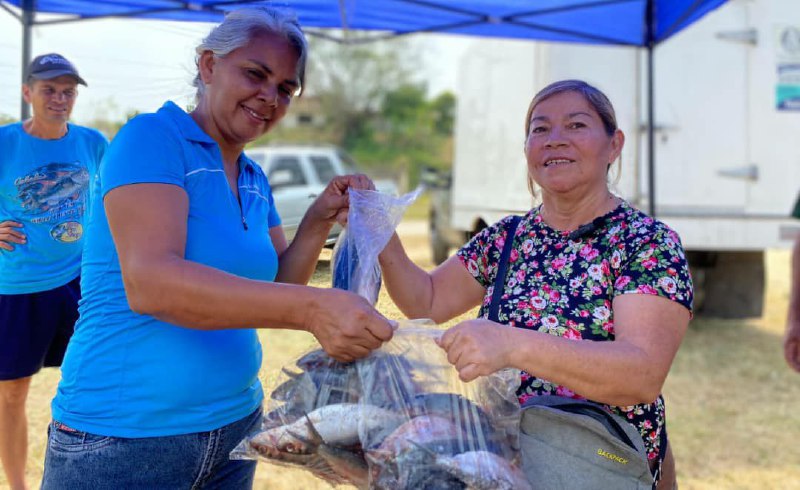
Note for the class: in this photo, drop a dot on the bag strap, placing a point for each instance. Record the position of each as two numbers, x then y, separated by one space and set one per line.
598 413
502 267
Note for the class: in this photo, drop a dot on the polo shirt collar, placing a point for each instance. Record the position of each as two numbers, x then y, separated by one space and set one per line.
192 132
245 163
186 125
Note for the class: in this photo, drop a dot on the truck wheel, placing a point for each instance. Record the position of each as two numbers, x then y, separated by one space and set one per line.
440 252
439 248
728 284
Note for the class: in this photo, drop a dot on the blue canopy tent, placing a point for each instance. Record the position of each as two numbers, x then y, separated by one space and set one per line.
636 23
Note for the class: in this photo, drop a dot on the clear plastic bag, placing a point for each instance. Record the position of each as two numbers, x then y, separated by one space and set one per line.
397 419
452 434
314 415
312 412
371 220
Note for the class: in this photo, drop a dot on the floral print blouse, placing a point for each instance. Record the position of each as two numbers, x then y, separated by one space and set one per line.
565 287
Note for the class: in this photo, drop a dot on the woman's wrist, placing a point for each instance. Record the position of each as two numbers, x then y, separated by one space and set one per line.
315 225
313 301
515 347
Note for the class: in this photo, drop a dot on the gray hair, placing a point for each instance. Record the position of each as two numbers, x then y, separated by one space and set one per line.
240 26
593 96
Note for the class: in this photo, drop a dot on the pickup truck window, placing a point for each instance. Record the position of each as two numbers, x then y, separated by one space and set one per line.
348 164
324 168
290 172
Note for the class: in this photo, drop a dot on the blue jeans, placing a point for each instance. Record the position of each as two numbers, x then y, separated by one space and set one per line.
78 460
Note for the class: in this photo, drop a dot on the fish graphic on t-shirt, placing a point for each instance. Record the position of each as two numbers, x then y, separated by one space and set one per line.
52 187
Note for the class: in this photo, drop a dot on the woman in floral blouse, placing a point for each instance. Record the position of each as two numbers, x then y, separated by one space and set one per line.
601 312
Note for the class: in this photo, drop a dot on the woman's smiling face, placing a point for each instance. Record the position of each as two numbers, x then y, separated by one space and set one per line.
249 90
567 146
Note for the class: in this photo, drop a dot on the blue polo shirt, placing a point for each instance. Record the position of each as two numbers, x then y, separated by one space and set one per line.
44 185
131 375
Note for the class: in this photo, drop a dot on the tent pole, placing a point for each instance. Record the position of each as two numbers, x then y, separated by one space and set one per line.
651 149
28 13
650 26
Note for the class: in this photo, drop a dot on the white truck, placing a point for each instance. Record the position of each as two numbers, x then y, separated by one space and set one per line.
298 173
727 158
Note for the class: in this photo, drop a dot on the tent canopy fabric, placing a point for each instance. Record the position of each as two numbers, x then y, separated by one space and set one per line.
614 22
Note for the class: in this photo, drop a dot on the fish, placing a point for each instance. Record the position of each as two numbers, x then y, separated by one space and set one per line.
420 430
463 412
383 380
414 467
398 458
326 462
336 424
388 381
346 463
483 470
272 453
321 386
52 186
432 478
318 358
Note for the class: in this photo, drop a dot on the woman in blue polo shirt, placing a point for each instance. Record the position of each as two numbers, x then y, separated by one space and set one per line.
183 253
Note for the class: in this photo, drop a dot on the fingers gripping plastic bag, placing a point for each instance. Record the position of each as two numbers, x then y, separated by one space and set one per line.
446 434
371 221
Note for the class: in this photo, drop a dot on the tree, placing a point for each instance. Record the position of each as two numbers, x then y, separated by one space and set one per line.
373 107
412 131
444 106
352 80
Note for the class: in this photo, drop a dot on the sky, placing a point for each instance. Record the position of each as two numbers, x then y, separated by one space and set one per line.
138 64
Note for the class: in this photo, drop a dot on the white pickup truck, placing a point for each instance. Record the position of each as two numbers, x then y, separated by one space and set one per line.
297 174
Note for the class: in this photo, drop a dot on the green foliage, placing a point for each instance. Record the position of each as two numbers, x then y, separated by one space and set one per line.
299 135
373 107
409 133
352 80
105 118
444 106
6 119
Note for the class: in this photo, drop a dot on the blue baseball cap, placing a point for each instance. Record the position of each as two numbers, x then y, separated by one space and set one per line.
52 65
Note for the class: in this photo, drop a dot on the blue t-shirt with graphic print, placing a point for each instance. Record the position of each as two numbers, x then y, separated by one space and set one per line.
565 287
45 186
132 375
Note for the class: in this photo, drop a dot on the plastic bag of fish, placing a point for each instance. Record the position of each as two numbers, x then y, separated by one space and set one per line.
313 415
371 221
398 419
452 435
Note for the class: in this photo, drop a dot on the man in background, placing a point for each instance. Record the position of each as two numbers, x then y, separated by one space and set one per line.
46 167
791 343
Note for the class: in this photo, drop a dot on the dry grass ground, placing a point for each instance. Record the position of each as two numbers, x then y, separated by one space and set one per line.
733 405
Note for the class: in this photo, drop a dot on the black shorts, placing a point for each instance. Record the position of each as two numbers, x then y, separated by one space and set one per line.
35 329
